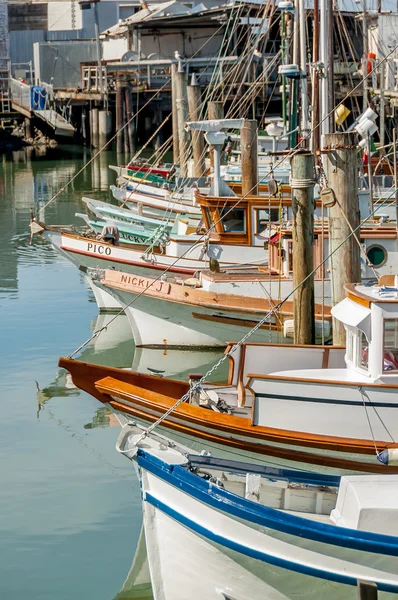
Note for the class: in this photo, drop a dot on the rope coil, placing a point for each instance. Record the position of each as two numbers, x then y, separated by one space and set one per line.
300 184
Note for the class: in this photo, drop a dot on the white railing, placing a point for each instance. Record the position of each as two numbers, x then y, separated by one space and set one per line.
49 91
20 93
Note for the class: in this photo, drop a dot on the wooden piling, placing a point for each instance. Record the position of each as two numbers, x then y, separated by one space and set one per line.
174 118
215 113
131 127
94 128
197 137
342 177
28 128
104 127
119 115
303 251
249 157
182 118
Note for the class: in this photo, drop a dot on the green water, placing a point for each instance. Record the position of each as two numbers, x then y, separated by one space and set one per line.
70 512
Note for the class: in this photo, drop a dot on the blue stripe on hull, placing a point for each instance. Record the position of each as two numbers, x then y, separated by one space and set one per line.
238 507
257 554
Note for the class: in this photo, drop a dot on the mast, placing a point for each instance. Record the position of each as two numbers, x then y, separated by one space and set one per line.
365 57
304 122
294 84
315 145
324 38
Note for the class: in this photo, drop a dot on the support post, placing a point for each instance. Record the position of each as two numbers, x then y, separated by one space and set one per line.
94 128
324 59
119 116
105 127
174 117
330 53
182 118
215 113
197 137
28 128
98 46
249 157
129 113
342 176
303 247
367 590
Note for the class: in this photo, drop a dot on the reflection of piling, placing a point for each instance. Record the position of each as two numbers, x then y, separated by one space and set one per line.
249 153
216 112
182 118
94 127
342 176
104 127
197 137
84 124
303 250
119 116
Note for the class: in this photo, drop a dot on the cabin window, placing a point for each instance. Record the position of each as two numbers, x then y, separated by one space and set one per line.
377 255
364 351
264 216
390 357
234 219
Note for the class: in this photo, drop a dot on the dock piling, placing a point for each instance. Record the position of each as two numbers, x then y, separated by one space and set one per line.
197 137
249 154
303 250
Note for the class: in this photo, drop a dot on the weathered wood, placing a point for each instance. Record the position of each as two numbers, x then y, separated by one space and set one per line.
303 252
104 127
197 137
315 139
174 118
249 157
342 176
367 590
182 118
119 115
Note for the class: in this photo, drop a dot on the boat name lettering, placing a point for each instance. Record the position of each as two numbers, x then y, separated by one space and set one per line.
99 249
158 286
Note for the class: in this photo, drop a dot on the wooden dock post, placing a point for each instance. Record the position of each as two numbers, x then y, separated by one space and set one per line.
182 118
303 247
174 118
342 177
197 137
129 113
215 113
119 115
94 128
104 127
367 590
249 157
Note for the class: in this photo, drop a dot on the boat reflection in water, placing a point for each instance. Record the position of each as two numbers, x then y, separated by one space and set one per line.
137 585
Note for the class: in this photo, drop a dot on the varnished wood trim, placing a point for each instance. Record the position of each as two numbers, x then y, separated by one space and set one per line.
325 358
234 425
358 298
261 449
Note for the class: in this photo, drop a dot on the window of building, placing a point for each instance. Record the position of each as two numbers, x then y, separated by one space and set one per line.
233 220
390 357
127 10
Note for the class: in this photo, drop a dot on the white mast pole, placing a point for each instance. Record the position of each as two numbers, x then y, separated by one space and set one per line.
323 57
304 126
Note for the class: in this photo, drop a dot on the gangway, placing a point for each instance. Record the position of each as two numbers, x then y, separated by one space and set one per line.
21 101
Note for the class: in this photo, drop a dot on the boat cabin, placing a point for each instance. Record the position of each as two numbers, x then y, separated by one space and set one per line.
370 318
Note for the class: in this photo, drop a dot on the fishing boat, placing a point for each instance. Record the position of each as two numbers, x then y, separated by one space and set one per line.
293 529
331 406
134 234
208 310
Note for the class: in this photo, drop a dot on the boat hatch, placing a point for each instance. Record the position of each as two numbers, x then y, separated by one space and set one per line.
352 314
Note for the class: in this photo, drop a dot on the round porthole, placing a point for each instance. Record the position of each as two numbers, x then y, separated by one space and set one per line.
377 255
